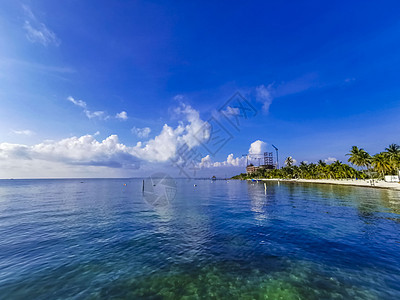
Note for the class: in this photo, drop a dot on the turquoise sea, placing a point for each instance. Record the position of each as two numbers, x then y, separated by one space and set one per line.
101 239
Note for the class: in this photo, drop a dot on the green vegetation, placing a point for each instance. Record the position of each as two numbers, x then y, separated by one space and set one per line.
365 166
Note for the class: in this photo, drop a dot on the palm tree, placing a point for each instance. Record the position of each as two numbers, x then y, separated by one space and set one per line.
312 170
337 169
296 172
393 148
393 153
322 168
381 163
289 161
359 157
354 156
303 168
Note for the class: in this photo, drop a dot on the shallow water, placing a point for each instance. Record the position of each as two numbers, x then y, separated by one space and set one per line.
99 239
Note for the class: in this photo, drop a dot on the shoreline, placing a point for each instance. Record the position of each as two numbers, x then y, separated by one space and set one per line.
360 182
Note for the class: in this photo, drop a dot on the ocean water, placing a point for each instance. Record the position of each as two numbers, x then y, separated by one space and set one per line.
101 239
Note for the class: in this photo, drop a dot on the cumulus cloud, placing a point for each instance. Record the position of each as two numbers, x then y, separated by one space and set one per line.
14 151
197 130
87 151
206 162
26 132
122 116
85 154
264 95
36 31
231 161
141 132
84 150
191 132
257 147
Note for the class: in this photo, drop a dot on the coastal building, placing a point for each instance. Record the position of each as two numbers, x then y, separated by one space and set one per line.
251 169
267 167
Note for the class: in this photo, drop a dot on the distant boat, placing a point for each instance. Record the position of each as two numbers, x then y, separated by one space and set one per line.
213 178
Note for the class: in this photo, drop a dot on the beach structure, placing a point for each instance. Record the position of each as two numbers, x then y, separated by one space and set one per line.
268 162
391 178
252 169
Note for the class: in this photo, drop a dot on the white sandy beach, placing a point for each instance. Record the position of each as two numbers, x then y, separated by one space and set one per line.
353 182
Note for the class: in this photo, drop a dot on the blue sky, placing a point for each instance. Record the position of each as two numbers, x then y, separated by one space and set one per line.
323 76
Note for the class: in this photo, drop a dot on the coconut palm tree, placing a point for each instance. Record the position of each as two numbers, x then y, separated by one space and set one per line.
359 157
393 148
289 161
312 170
381 163
354 156
393 153
322 168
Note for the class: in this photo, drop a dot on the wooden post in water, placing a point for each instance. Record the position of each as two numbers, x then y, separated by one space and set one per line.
143 186
265 188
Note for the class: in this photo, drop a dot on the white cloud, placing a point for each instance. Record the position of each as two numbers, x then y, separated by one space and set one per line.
122 116
258 147
14 151
330 160
23 132
77 102
141 132
179 97
96 114
90 114
206 162
191 132
84 150
87 153
264 95
233 111
231 161
37 32
196 130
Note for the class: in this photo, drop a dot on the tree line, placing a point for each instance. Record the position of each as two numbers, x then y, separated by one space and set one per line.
363 166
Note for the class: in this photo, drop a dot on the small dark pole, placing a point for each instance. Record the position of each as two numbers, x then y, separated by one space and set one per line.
143 186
